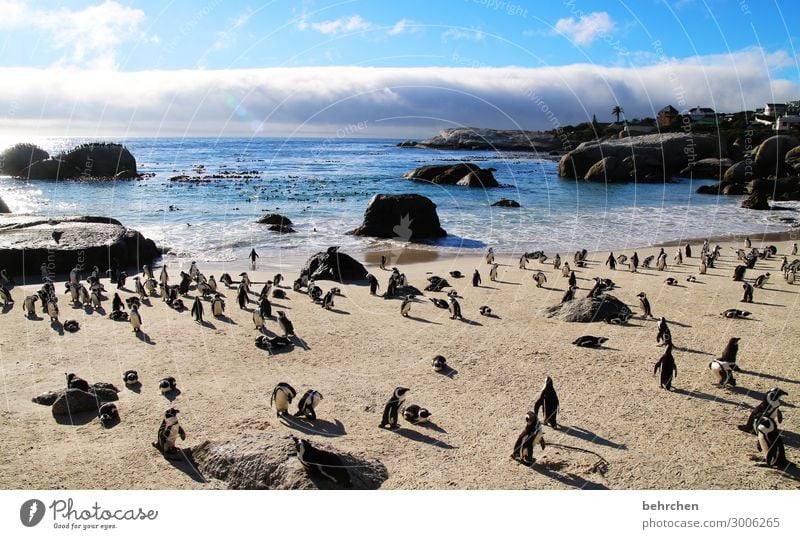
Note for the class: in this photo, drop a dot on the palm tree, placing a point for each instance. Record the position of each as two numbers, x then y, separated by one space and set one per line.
616 111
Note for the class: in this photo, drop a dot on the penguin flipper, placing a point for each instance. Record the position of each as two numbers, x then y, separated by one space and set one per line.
181 433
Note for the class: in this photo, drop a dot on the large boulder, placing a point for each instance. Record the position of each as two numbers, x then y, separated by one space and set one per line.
741 172
506 203
28 241
102 160
609 169
274 219
793 159
4 207
710 168
473 138
50 169
756 201
771 154
15 159
406 217
67 402
589 309
653 157
331 265
265 460
463 174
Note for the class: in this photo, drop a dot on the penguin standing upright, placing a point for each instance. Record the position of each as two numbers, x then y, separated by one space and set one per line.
669 371
635 262
493 272
611 262
530 436
382 265
573 280
168 432
29 306
5 295
761 280
281 398
678 257
197 310
664 334
455 308
748 293
308 403
738 272
52 308
769 407
285 324
490 256
94 298
645 304
688 251
327 300
661 263
391 410
770 443
557 261
116 303
373 284
140 291
523 260
569 295
217 305
135 319
548 402
476 278
121 278
242 296
565 270
540 279
730 351
794 249
266 308
164 276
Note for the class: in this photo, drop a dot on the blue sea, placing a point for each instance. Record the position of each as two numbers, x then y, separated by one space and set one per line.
324 186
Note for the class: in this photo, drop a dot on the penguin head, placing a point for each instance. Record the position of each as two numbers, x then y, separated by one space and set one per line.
531 418
130 377
401 392
776 393
301 446
423 415
641 295
171 413
601 340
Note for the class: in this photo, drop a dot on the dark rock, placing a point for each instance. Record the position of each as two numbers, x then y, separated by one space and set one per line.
756 201
408 144
405 217
770 155
793 158
609 169
331 265
283 229
274 219
713 189
506 203
464 174
741 172
4 207
26 241
472 138
50 169
266 460
589 309
17 158
102 160
74 401
710 168
734 189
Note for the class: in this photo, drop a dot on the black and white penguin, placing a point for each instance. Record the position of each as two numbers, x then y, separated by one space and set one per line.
573 280
327 300
116 303
266 308
325 463
722 372
731 351
611 262
5 295
476 278
634 262
285 324
735 313
405 307
75 382
391 410
83 294
678 258
135 319
490 256
540 279
258 319
442 304
282 395
265 290
314 292
164 276
531 435
523 262
671 281
95 299
246 280
548 402
138 288
108 414
645 304
688 251
664 336
197 310
589 341
748 293
485 310
669 371
382 265
168 432
212 284
167 385
557 261
308 403
277 279
569 295
29 306
738 272
439 363
455 308
193 271
118 316
415 414
52 308
130 377
373 284
761 280
794 249
225 279
217 305
122 277
565 270
72 290
769 407
647 261
71 325
770 443
661 261
493 272
242 297
691 279
204 289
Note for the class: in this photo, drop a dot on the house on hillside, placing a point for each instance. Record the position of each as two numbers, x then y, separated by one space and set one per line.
700 113
667 115
775 109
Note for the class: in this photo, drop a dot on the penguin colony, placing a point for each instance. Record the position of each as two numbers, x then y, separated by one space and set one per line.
763 422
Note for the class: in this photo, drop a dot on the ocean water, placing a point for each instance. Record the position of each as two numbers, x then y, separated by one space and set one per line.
324 186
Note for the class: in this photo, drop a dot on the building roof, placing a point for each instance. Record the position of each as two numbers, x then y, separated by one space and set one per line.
669 109
702 109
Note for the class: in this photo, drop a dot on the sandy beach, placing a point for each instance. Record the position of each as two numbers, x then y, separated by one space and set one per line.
612 409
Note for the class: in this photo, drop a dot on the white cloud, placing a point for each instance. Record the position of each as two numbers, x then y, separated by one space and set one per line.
397 102
227 38
402 26
461 33
342 25
587 28
85 38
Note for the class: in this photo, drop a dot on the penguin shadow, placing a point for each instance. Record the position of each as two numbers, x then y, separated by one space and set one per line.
692 351
145 338
590 436
470 322
417 436
183 460
770 376
34 316
418 319
146 301
432 426
507 282
136 388
695 394
492 315
318 427
281 350
7 307
790 439
57 326
339 311
738 390
226 319
679 324
550 470
550 288
208 324
487 286
303 344
80 418
766 304
172 395
99 310
449 372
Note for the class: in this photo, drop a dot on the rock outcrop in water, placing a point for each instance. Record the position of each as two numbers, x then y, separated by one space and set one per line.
473 138
97 160
506 203
28 241
463 174
17 158
332 265
278 223
404 217
265 460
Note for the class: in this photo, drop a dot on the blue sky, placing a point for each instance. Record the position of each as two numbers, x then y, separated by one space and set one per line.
606 44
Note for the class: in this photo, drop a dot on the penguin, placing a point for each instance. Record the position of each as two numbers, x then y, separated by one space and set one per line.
147 272
530 436
748 293
258 319
71 325
794 249
135 319
133 301
769 407
246 280
373 284
265 290
523 260
455 309
118 316
193 271
5 296
168 432
647 261
282 395
548 402
140 291
664 335
622 259
645 304
242 297
185 284
52 308
573 280
490 256
730 352
678 259
442 304
217 306
212 284
204 290
691 279
167 385
164 276
569 295
314 292
542 258
285 324
116 303
722 372
738 272
588 341
73 275
415 414
688 251
735 313
29 306
661 262
94 299
439 363
390 411
565 270
669 371
327 300
75 382
493 273
485 310
382 265
108 414
747 243
455 274
72 290
761 280
121 278
405 307
611 262
635 262
671 281
325 463
297 286
265 307
476 278
540 279
770 443
131 378
197 310
306 407
225 279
